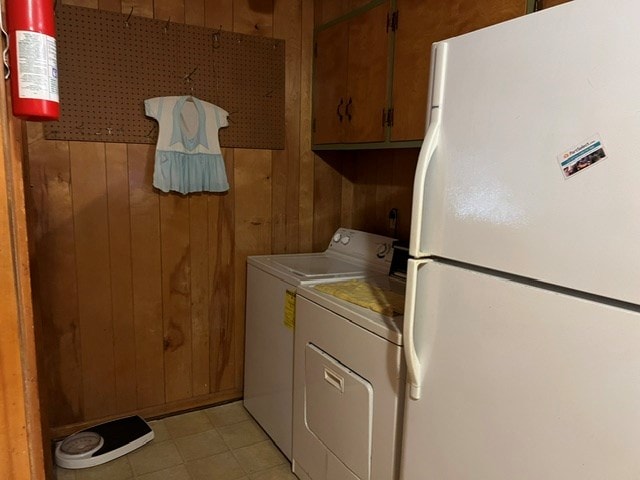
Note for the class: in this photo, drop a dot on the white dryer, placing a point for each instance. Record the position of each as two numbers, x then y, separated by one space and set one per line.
272 282
348 387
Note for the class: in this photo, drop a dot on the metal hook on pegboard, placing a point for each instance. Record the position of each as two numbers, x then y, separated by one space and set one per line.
166 25
189 80
126 22
216 38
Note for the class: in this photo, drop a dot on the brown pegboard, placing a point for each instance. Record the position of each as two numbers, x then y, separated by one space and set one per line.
109 63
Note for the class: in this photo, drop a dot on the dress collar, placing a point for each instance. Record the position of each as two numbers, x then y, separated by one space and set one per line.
179 135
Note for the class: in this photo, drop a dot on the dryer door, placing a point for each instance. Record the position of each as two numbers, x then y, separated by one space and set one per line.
338 411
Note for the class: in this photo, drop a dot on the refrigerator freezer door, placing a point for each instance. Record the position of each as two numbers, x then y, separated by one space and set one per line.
520 382
520 99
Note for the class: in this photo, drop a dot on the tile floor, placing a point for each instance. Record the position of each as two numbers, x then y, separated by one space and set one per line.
220 443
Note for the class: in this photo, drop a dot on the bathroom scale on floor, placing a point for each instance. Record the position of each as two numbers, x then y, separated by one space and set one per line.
103 443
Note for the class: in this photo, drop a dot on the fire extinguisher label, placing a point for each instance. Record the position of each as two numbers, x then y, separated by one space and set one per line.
37 66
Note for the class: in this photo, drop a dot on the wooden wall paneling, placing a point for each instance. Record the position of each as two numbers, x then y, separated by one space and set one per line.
403 168
194 12
286 165
253 215
218 13
54 272
147 277
222 283
469 15
200 283
307 157
364 192
176 295
252 195
110 5
117 171
173 9
348 170
142 8
327 199
253 17
91 228
165 258
385 190
175 229
200 327
82 3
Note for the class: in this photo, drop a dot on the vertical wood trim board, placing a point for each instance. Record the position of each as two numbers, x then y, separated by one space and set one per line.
21 443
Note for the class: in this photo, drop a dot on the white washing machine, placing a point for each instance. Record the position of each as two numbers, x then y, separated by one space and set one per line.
272 282
348 388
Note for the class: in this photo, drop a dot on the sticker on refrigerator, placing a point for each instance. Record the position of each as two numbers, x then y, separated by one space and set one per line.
581 156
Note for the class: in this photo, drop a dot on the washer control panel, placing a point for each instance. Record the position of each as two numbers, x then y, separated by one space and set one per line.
369 247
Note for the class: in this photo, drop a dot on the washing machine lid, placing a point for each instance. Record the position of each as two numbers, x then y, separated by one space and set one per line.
319 266
312 267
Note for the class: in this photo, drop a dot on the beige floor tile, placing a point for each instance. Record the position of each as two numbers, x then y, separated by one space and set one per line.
223 466
227 414
187 424
259 456
200 445
154 456
242 434
179 472
65 474
118 469
160 431
281 472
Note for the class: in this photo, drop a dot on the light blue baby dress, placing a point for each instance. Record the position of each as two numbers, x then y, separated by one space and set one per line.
188 155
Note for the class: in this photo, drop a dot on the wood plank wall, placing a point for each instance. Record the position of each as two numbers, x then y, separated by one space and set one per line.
358 189
141 294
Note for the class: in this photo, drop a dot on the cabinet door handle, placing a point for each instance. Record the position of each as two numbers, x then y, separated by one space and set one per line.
338 112
348 109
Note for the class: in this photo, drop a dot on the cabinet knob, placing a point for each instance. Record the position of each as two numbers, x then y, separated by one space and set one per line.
348 109
338 112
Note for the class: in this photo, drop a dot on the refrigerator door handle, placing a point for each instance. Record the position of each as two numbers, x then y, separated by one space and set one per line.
436 93
414 371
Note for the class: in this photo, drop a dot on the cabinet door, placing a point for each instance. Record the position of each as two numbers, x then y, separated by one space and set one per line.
330 83
420 24
367 75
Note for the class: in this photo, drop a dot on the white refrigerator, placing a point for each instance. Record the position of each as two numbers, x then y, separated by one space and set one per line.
522 322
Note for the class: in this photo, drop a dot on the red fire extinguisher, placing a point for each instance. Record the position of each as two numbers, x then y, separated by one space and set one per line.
33 59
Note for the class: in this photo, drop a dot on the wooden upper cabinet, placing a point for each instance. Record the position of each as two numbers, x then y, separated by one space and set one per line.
350 79
330 83
367 76
420 24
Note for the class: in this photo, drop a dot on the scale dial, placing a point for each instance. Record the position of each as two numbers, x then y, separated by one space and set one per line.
82 443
